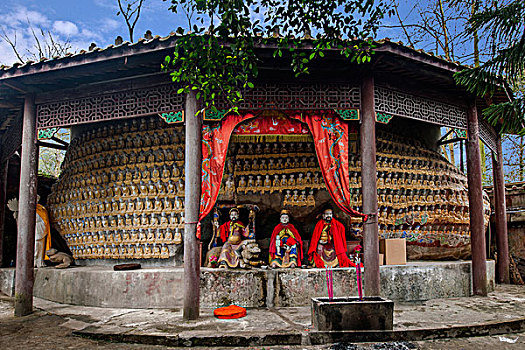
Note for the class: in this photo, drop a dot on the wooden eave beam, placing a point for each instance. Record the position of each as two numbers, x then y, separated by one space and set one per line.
88 58
52 145
62 142
445 142
15 86
418 57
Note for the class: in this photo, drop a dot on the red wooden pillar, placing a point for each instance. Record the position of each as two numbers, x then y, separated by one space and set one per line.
25 245
369 187
192 199
502 243
475 197
3 183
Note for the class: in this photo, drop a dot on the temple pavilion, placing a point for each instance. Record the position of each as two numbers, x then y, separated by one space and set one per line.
145 176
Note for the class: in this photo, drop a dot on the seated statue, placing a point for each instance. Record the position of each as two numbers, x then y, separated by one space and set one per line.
328 243
42 230
232 233
286 246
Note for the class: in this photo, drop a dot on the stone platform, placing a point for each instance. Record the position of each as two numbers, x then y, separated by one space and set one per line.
163 287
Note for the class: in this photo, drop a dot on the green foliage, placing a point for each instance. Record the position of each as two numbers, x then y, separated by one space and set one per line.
50 159
218 56
506 68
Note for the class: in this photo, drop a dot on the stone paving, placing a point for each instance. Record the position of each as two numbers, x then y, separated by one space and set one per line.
52 324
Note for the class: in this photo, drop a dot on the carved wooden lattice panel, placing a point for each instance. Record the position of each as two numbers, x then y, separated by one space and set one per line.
415 107
487 133
127 104
294 96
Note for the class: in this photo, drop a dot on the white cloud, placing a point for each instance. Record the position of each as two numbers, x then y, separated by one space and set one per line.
22 15
109 24
65 28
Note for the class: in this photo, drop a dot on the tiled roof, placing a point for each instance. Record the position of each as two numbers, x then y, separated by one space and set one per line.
143 43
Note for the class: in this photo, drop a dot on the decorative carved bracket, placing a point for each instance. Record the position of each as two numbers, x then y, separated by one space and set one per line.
173 117
46 134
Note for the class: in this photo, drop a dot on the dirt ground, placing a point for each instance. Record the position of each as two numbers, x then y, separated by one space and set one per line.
47 331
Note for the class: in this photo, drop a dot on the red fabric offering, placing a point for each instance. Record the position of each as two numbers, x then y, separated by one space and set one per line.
229 312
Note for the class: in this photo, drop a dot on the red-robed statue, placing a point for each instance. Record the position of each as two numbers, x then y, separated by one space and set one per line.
328 244
286 246
231 233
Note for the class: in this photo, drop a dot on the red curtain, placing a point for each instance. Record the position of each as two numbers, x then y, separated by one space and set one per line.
215 140
330 136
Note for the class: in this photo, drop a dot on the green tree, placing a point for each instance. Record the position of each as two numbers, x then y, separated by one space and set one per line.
217 54
505 70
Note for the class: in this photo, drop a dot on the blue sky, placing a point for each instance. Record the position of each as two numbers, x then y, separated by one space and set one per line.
83 22
80 21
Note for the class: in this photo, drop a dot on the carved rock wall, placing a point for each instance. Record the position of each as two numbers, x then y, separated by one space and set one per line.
121 191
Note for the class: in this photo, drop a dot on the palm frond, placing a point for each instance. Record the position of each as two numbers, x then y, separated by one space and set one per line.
506 22
511 116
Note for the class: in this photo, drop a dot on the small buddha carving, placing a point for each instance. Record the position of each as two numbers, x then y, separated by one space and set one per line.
180 187
155 174
271 164
180 154
312 163
287 198
308 178
259 182
279 164
310 199
295 197
284 181
144 220
246 166
177 237
242 182
165 173
394 181
139 251
178 203
291 181
150 237
302 199
164 252
251 182
170 188
167 204
148 206
230 186
300 179
316 180
158 207
238 165
163 220
139 205
267 182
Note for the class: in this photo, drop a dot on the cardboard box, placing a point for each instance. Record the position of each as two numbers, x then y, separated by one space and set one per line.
395 251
